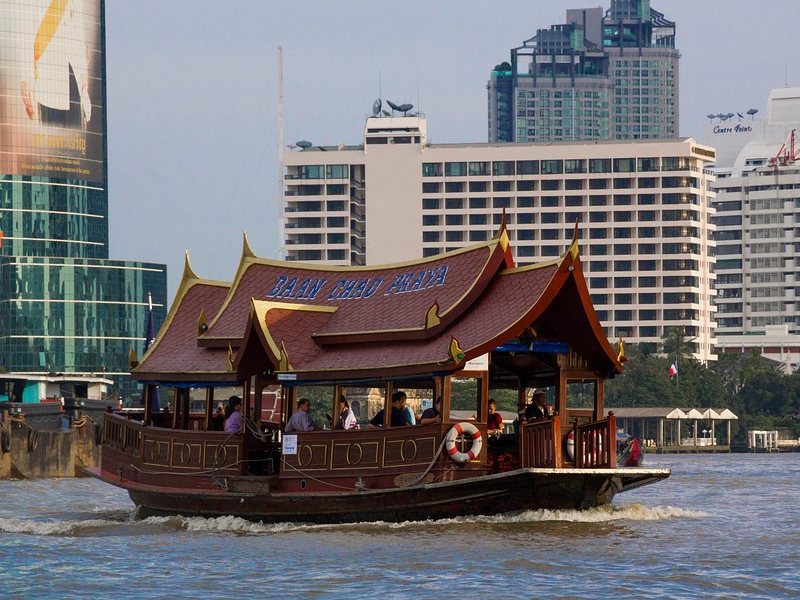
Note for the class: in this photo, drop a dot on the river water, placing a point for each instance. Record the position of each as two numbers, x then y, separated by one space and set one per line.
725 526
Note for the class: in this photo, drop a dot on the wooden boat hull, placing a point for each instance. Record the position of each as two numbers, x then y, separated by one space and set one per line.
521 489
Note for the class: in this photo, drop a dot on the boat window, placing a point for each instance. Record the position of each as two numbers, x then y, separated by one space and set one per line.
464 398
581 393
321 398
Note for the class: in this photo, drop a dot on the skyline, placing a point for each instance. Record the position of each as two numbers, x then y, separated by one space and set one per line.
195 129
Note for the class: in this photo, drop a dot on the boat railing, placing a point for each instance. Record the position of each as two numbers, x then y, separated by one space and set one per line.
538 443
123 435
595 444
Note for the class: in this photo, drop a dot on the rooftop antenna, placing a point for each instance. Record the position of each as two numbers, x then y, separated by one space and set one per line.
282 247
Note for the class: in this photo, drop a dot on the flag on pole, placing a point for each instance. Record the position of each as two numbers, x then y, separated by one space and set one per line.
150 336
673 369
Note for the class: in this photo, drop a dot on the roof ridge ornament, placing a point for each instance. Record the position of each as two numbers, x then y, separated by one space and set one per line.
455 351
283 363
432 316
573 247
188 272
202 322
247 251
229 359
505 243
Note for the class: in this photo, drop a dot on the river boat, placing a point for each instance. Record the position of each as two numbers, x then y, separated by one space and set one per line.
456 327
630 451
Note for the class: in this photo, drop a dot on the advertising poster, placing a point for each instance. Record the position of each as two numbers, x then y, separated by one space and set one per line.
51 93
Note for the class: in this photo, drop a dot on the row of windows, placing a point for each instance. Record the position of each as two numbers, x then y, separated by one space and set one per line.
555 166
526 185
574 201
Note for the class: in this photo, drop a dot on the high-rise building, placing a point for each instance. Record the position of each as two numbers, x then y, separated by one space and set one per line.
758 239
598 76
64 306
642 208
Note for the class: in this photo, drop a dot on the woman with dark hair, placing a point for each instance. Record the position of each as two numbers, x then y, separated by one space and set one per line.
347 420
233 415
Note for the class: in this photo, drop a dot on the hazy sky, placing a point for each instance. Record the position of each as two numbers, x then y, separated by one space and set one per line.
192 93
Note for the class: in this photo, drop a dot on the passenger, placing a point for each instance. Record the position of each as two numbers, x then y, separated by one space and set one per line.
408 412
538 409
347 420
433 414
300 420
397 418
233 415
494 421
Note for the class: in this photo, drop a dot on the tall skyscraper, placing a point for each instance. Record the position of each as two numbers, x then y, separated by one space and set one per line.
643 209
64 306
597 76
758 239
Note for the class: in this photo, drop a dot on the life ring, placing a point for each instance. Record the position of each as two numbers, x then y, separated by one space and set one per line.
450 442
5 441
597 451
571 445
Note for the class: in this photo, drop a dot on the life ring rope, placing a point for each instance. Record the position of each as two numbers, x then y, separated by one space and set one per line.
461 429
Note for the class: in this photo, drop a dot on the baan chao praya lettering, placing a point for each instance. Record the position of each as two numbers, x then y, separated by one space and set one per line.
295 288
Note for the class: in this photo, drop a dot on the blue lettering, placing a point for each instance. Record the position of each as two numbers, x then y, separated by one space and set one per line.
418 281
373 287
347 288
357 293
440 278
315 287
335 290
298 293
278 285
287 291
431 274
394 284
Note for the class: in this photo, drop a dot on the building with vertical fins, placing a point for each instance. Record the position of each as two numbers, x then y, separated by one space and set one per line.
757 235
65 307
599 76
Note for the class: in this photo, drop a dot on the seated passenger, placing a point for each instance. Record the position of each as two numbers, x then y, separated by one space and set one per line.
538 409
300 420
433 414
494 422
347 420
233 415
397 418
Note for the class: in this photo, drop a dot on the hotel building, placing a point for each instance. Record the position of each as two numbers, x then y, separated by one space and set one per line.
611 75
643 211
65 307
758 238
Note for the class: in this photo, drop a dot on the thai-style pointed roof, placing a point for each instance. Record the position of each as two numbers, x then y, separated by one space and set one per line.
174 355
321 323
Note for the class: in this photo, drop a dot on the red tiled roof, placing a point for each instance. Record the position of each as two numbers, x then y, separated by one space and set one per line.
391 302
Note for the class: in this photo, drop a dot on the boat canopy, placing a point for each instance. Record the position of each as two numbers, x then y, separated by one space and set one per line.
297 323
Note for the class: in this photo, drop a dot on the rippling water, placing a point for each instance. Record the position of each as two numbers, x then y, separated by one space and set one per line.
720 526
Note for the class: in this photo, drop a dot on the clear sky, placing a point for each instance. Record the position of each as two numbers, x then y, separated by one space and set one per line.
192 94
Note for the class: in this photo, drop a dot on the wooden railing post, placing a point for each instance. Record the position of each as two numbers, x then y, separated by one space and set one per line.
612 440
558 442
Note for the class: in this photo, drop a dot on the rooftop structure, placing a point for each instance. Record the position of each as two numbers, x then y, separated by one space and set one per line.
597 76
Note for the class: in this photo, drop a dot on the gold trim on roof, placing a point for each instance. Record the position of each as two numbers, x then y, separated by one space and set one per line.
202 322
432 316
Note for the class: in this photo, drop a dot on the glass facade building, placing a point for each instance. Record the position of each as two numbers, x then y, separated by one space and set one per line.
611 75
64 305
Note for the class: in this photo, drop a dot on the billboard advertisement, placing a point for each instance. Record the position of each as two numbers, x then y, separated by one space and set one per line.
51 89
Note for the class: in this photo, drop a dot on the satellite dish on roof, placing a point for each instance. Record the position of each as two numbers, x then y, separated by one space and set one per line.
386 113
376 107
729 115
304 144
393 106
752 111
720 116
406 107
711 116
